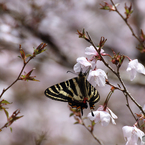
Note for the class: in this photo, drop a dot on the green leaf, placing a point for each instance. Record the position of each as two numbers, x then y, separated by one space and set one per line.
5 102
28 55
6 112
93 123
76 122
39 49
71 114
85 118
11 129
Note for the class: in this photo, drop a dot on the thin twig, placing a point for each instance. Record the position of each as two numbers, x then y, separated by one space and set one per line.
129 106
116 88
4 90
128 94
125 20
93 134
117 74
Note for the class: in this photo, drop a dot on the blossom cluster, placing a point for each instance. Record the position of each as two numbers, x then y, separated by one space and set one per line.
103 115
98 77
95 76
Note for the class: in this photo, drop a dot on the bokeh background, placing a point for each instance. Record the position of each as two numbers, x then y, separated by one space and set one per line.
55 22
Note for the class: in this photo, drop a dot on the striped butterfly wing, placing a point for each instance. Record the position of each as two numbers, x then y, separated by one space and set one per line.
77 92
93 95
67 91
62 92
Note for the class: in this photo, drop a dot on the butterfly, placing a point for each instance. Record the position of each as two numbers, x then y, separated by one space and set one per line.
77 92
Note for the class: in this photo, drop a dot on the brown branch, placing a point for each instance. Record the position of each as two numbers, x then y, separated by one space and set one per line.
100 143
118 76
4 90
125 20
129 106
128 94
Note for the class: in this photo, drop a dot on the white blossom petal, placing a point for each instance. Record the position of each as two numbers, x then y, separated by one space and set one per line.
83 61
82 65
133 67
92 117
112 114
97 77
93 62
127 132
77 67
100 81
140 68
113 121
132 74
105 118
132 135
102 116
101 108
96 116
90 51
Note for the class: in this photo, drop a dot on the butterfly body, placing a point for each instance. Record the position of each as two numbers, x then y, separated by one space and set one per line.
77 92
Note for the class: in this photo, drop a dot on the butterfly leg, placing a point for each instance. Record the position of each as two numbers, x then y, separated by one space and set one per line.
82 111
91 108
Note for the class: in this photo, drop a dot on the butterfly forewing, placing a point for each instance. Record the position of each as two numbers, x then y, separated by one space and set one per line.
77 92
60 92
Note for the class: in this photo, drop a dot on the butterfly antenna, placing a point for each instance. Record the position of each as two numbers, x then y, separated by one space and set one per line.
71 72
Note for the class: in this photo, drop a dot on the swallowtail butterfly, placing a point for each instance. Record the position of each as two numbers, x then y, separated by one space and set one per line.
77 92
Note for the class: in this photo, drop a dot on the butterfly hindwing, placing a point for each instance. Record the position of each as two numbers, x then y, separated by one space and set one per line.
93 94
77 92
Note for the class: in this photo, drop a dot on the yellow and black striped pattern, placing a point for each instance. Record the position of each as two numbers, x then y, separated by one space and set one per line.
77 92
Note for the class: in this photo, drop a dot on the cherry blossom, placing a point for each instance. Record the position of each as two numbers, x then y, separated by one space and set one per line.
103 115
91 51
82 65
133 67
133 135
97 77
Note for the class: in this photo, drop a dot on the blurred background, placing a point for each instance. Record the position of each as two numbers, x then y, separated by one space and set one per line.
56 22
